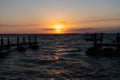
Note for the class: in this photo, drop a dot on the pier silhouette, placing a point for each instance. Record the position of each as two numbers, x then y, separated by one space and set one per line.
21 44
99 49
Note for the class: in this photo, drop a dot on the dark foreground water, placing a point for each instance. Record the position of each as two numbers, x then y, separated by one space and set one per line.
60 57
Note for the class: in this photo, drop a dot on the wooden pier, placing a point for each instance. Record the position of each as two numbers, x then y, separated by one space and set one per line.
98 41
101 48
20 41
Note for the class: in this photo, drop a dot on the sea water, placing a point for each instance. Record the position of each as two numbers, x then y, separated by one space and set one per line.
60 57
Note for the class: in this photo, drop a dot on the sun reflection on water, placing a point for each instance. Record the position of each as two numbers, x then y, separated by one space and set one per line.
57 72
56 57
51 79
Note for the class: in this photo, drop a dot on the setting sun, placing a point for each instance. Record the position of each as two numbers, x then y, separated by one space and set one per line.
59 28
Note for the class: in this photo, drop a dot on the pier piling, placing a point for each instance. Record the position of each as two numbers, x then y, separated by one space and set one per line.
35 39
2 43
118 42
8 43
101 40
18 42
24 41
95 38
29 40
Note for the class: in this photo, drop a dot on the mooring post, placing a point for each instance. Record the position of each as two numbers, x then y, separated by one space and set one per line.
2 41
29 39
18 42
24 40
101 40
8 42
92 37
35 39
95 39
118 42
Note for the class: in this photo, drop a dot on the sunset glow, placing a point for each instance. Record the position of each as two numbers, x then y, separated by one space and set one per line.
59 28
59 16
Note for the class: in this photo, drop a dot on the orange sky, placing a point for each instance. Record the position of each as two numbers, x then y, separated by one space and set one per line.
74 16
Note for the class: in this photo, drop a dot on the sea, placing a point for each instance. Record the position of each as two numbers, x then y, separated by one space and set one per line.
59 57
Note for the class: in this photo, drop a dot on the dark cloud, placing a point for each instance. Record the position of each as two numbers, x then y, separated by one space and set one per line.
72 29
85 29
82 29
105 29
113 29
48 29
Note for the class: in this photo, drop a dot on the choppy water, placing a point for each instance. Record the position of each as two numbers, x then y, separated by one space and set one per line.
60 57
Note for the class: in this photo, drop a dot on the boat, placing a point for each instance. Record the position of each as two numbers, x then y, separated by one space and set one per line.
104 49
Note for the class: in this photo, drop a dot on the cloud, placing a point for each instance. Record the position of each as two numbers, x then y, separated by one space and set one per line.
22 25
90 21
99 20
105 29
114 29
82 29
48 29
85 29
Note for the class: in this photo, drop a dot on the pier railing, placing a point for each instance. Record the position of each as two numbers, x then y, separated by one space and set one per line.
20 41
98 40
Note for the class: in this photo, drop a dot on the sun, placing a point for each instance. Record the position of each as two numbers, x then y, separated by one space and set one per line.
59 28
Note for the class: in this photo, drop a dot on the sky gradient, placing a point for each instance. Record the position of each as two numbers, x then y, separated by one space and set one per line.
77 16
